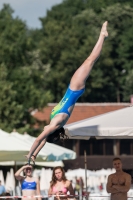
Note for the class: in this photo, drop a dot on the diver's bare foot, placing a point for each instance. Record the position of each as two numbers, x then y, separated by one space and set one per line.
104 29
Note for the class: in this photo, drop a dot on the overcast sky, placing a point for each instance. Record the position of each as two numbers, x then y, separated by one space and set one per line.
30 10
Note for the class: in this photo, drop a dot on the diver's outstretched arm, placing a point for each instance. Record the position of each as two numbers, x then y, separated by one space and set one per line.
33 157
38 143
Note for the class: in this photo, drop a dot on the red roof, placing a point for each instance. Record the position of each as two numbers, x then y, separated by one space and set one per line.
81 111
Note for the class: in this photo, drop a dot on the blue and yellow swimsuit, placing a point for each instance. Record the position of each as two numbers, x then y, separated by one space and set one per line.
67 101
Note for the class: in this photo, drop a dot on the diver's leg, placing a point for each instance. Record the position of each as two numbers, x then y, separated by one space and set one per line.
80 76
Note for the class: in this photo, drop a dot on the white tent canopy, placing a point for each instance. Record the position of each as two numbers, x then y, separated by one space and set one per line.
11 148
51 151
116 124
14 146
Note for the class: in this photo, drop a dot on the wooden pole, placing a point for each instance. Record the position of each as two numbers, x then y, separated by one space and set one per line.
85 161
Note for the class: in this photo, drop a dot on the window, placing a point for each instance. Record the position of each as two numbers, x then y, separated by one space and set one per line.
108 147
96 147
85 145
67 144
126 146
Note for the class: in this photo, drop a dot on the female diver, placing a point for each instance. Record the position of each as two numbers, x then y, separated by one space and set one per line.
61 113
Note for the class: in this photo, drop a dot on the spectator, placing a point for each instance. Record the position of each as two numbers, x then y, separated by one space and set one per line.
30 186
118 183
59 184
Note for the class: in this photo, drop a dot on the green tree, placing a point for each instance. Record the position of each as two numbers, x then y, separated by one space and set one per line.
69 34
22 74
14 40
128 86
10 111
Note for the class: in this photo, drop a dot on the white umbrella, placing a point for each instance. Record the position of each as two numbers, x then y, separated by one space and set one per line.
12 179
2 177
43 179
103 172
72 174
92 181
79 172
102 179
50 152
113 170
43 174
49 177
116 124
12 149
8 147
8 181
36 173
14 146
89 183
96 181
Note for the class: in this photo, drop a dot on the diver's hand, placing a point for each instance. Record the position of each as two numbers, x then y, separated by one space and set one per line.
29 159
27 156
33 157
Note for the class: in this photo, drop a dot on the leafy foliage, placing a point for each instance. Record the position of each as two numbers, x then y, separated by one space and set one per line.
70 37
22 81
